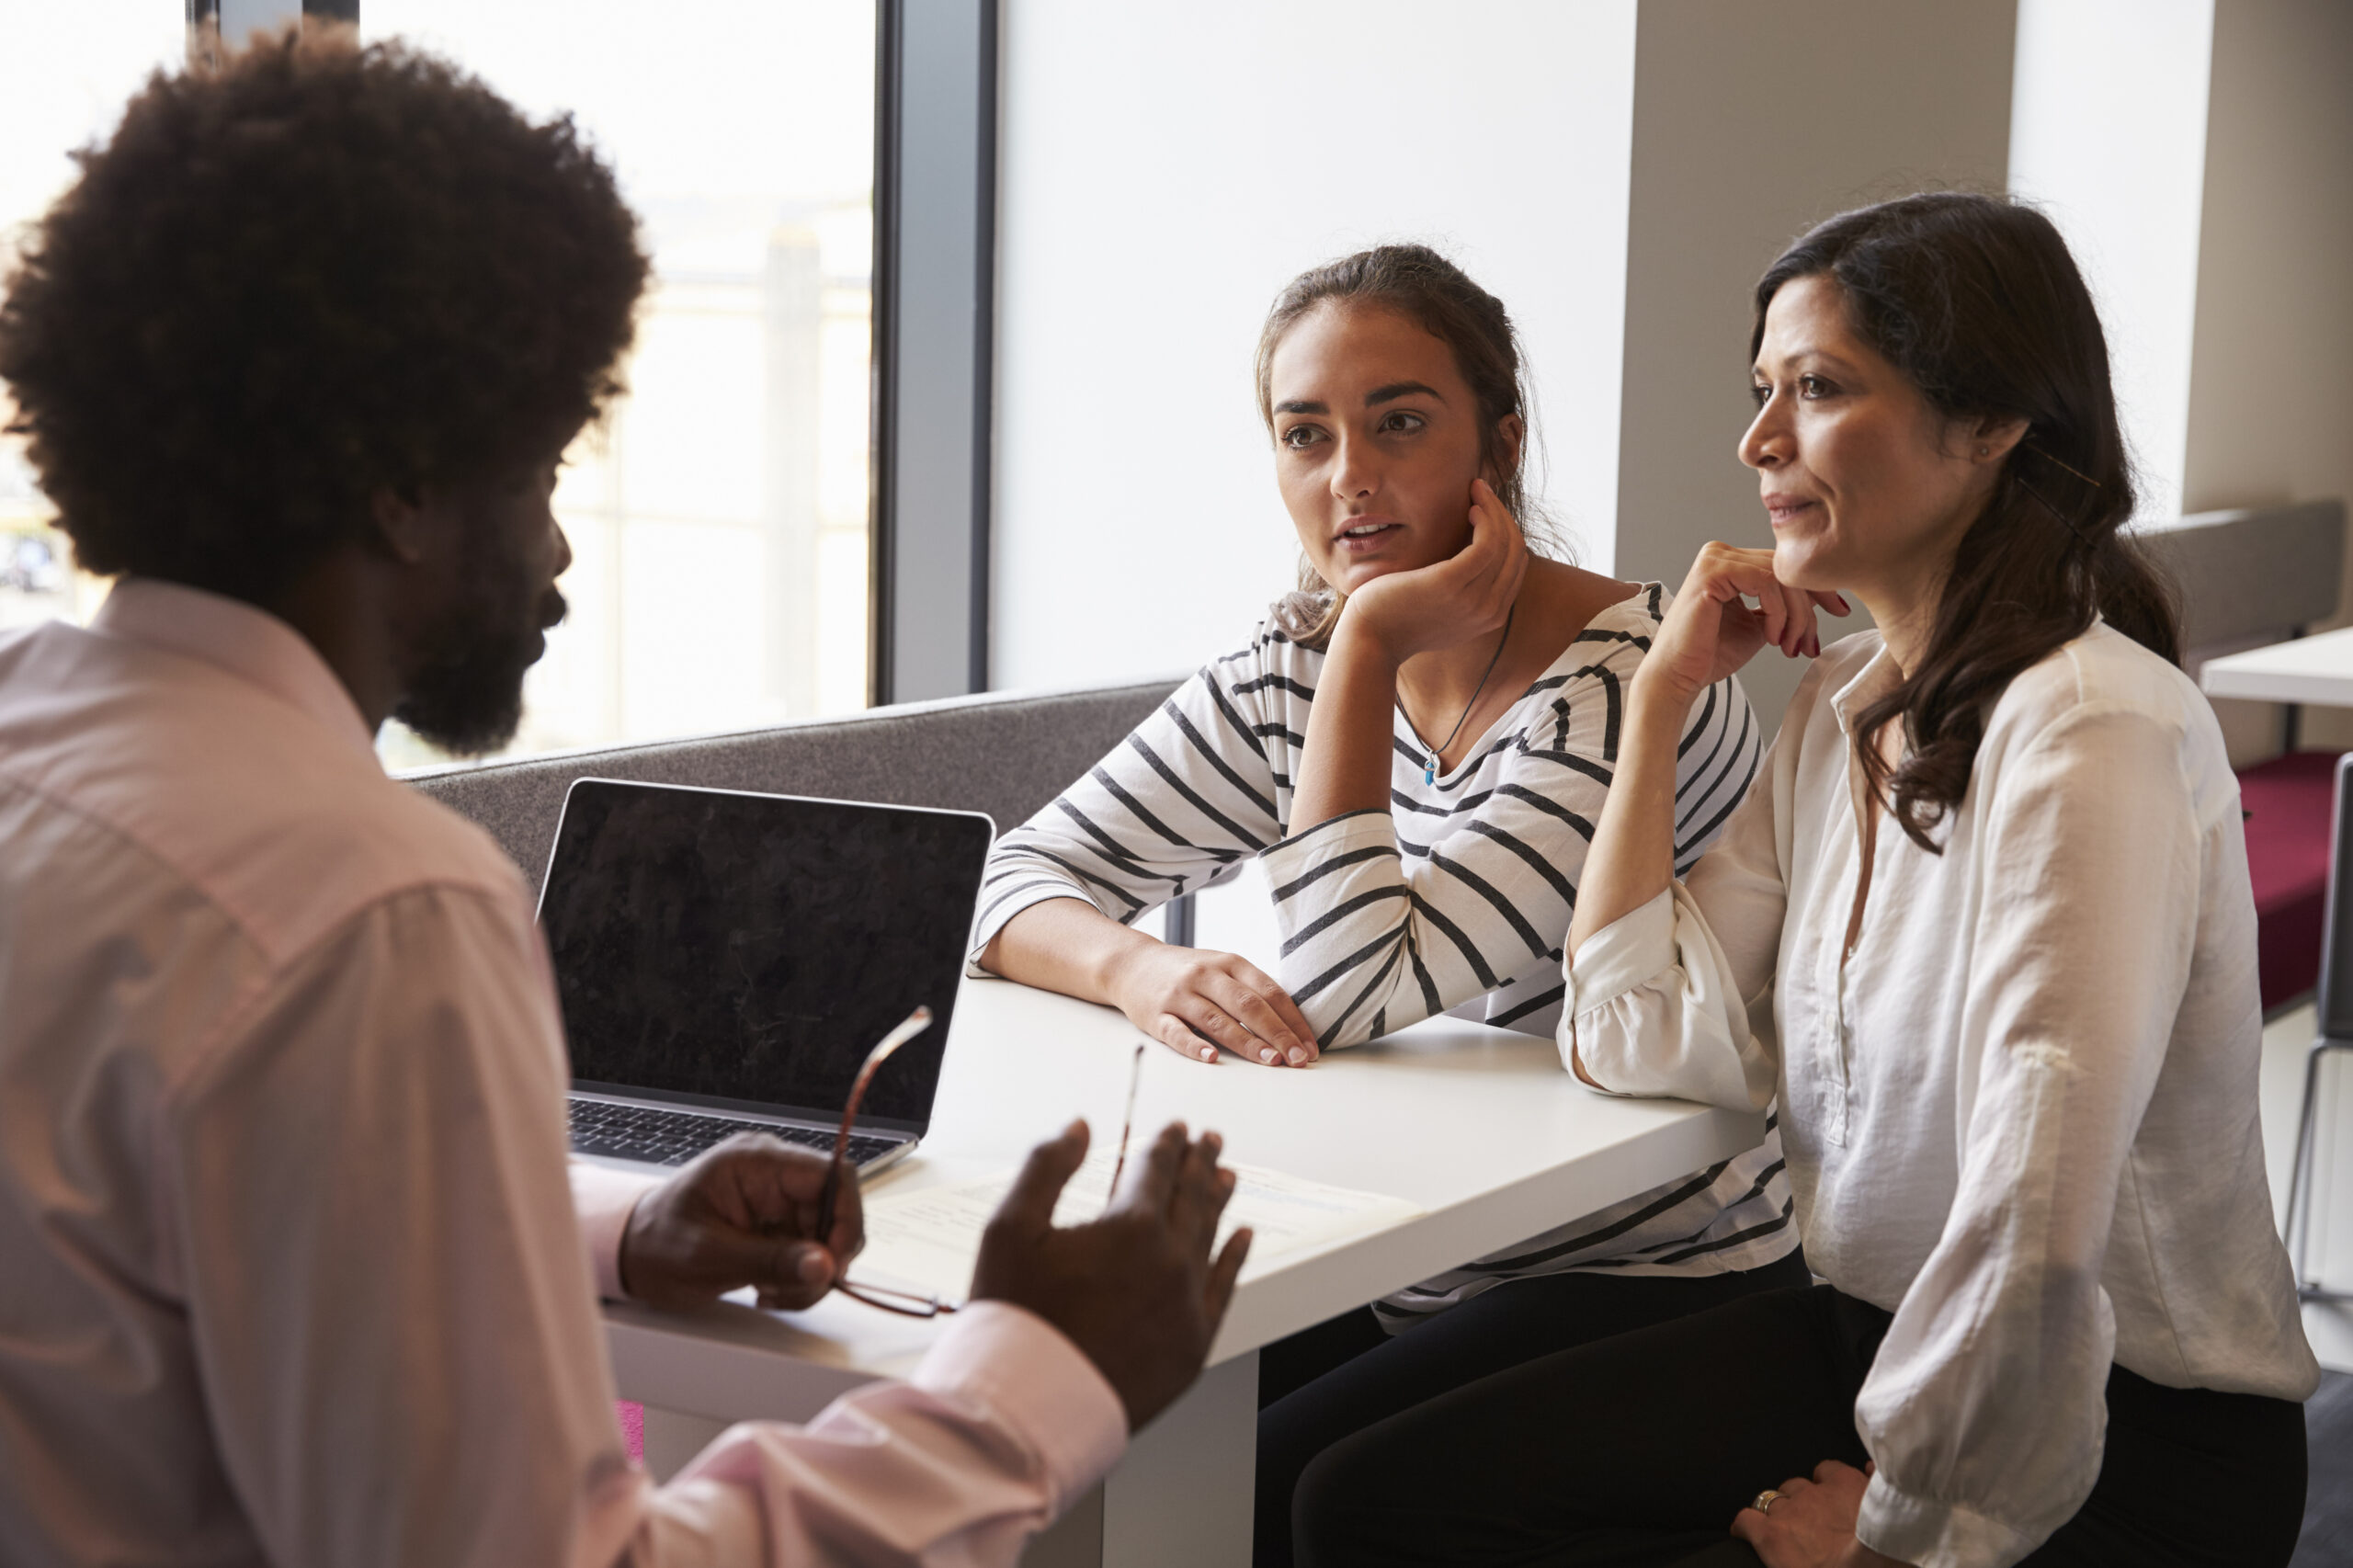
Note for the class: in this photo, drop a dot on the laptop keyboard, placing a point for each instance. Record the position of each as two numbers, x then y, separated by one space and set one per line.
674 1137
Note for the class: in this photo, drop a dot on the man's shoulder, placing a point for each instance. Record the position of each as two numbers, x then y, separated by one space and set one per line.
286 828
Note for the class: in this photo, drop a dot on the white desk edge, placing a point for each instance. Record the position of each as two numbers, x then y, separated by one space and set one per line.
2316 670
732 1362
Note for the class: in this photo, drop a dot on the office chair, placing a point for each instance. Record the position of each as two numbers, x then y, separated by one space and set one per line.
2335 1035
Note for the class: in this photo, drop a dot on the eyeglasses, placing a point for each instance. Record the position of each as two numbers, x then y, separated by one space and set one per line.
905 1303
908 1303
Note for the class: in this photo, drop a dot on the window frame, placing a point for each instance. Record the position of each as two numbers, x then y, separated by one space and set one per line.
932 367
935 320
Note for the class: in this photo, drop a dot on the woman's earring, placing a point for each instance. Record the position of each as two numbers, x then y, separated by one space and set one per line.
1984 450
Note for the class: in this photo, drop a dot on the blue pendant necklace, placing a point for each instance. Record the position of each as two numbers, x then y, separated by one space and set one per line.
1431 752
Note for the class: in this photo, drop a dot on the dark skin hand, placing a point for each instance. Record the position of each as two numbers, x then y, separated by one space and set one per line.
1135 1290
742 1214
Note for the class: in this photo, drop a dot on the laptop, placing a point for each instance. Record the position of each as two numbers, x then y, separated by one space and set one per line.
726 960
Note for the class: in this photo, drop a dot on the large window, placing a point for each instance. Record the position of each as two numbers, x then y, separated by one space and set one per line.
63 83
719 518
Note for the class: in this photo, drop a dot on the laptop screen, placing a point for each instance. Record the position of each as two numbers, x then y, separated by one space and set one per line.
749 950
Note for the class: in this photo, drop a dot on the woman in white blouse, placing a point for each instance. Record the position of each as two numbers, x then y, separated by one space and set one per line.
1983 927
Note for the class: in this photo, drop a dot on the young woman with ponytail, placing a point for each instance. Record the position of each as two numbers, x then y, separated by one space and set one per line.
1992 891
1416 746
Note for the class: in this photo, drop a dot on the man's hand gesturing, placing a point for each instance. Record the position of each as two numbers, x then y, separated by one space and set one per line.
744 1213
1135 1290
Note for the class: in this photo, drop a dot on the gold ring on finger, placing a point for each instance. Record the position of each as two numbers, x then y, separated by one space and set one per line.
1764 1500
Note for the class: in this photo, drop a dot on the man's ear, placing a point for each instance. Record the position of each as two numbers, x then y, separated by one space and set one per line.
401 526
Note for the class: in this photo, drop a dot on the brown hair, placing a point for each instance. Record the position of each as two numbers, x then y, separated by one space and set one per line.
318 272
1977 301
1425 288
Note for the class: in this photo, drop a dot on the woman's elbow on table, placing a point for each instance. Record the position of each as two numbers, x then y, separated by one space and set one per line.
1654 1042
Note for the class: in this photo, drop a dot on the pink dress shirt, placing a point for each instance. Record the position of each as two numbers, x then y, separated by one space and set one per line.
289 1268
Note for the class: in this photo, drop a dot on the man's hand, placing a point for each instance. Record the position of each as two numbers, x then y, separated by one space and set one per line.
1812 1524
742 1214
1135 1290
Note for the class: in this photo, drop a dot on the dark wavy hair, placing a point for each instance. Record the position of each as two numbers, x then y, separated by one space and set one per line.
1427 289
317 272
1977 301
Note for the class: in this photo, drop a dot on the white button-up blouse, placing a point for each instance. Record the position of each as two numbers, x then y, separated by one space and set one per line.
2021 1115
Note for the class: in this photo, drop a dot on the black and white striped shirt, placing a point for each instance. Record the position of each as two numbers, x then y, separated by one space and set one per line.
1456 898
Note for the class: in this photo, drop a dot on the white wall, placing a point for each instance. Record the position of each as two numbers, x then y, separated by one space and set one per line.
2108 135
1164 171
1752 122
2269 413
2271 381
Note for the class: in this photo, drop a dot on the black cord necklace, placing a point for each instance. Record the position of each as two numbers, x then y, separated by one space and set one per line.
1431 752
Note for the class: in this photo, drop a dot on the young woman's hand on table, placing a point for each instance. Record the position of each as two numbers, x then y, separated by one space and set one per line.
1191 1000
1187 997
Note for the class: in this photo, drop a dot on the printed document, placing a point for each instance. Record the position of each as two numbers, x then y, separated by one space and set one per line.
926 1240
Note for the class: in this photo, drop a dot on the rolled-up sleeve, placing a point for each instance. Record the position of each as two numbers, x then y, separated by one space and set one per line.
1986 1409
1178 806
1659 1000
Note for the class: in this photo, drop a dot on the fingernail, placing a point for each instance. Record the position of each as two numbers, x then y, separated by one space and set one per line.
1298 1057
1267 1054
1208 1053
812 1265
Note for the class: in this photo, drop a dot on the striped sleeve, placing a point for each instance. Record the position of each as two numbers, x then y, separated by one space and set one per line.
1178 806
1388 918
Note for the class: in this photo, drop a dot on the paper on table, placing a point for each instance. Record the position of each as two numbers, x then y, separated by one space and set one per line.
926 1240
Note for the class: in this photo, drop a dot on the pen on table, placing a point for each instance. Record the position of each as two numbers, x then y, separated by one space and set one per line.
1135 1081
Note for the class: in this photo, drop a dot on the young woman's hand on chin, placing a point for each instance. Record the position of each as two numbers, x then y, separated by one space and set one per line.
1466 596
1710 630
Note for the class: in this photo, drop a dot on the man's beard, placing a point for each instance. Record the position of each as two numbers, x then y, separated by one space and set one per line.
467 697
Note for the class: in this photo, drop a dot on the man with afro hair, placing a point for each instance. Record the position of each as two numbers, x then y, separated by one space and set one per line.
292 1268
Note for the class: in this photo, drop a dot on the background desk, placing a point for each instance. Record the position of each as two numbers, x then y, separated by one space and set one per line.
2317 669
1481 1128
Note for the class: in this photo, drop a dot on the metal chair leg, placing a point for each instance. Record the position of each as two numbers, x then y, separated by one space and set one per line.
2301 1181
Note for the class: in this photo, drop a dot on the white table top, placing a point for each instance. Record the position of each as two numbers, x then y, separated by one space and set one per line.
1480 1128
2317 670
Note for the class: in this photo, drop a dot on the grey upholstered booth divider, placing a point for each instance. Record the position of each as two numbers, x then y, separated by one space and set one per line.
2254 573
1006 754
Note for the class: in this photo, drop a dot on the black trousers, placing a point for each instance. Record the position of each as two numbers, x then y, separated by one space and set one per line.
1335 1379
1639 1449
